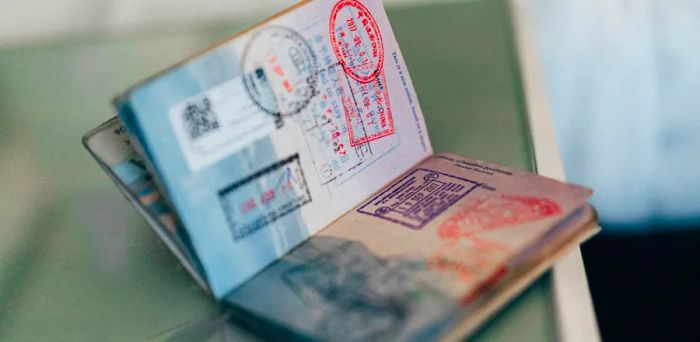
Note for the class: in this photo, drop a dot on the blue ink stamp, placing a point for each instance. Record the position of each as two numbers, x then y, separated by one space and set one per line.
264 197
418 198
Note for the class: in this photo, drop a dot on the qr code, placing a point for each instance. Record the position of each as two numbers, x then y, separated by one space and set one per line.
199 119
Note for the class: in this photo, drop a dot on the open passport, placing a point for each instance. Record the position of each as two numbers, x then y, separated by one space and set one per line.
290 171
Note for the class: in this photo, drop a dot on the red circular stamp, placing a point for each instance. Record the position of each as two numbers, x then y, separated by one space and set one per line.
356 40
497 212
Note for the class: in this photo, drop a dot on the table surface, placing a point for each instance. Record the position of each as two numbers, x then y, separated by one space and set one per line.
78 263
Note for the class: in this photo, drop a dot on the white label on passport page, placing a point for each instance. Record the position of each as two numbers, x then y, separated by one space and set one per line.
214 124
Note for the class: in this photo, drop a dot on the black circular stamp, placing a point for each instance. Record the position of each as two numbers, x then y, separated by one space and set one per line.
280 71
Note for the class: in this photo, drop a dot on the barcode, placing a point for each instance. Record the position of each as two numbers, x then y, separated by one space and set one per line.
199 119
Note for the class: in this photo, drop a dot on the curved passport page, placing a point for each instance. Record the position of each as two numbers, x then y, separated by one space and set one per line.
268 138
430 256
113 151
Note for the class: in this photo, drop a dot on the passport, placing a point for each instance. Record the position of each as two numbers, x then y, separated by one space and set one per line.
290 170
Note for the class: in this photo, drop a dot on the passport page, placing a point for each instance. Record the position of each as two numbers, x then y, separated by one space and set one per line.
109 144
264 140
419 257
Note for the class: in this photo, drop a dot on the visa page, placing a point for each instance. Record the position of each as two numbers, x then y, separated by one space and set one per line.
268 138
416 258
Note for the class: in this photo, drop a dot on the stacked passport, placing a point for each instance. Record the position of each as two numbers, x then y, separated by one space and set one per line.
290 170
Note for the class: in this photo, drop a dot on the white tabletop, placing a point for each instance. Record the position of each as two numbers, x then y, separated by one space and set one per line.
572 300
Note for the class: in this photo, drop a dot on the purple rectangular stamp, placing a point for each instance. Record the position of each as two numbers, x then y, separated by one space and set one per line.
419 197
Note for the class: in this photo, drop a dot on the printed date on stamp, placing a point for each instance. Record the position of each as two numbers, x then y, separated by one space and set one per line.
262 198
